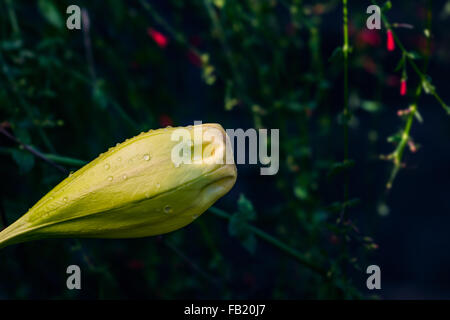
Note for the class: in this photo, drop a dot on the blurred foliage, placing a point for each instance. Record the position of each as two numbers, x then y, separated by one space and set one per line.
137 65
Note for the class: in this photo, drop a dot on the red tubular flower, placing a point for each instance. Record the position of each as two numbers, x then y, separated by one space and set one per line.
403 87
160 39
390 41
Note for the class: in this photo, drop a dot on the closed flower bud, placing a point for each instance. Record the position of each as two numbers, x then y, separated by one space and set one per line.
390 41
133 190
403 87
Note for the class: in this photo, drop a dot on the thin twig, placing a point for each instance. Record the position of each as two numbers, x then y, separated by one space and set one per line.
346 113
33 151
397 155
293 253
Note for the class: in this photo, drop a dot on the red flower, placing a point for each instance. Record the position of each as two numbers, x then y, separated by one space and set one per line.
403 87
165 120
390 40
160 39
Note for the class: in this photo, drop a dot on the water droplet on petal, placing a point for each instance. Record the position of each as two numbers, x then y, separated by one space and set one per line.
158 185
110 178
65 199
146 157
119 159
106 166
124 177
167 209
194 217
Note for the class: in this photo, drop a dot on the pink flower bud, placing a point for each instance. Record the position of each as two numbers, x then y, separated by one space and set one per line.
403 87
160 39
390 40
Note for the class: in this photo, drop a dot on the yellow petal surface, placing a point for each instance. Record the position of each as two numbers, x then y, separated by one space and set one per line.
132 190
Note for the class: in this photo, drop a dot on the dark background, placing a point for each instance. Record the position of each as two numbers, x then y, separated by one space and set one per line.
272 57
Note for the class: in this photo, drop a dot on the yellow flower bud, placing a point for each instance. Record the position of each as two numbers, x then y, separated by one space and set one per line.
133 190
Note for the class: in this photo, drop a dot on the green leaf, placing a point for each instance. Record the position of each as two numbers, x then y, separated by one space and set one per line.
238 226
24 160
414 55
338 206
300 192
428 87
22 134
337 54
249 243
371 106
51 13
338 167
245 207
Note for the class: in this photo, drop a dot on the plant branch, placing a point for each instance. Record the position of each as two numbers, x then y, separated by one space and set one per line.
346 112
397 155
33 151
293 253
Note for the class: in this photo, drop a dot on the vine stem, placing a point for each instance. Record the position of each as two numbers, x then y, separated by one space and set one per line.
30 149
422 74
293 253
397 155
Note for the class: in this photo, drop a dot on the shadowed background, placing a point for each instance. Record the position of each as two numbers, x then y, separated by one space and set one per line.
140 65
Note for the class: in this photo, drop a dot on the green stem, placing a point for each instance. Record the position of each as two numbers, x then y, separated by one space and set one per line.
65 160
397 155
345 50
13 18
275 242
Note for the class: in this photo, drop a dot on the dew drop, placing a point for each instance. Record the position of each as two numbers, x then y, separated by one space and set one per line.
146 157
106 166
124 177
119 159
167 209
158 185
194 217
110 178
65 199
